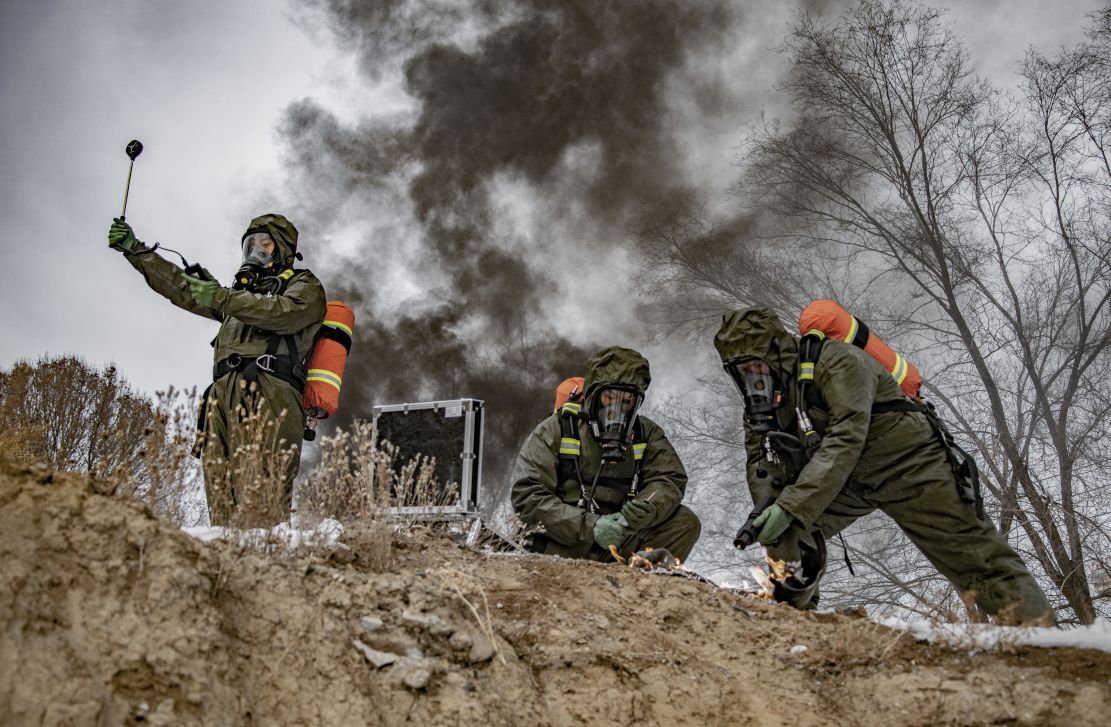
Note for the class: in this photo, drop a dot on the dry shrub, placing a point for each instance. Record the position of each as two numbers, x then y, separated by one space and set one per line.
172 481
72 417
22 443
342 485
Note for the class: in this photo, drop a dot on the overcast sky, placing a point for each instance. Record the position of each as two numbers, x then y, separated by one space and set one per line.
203 85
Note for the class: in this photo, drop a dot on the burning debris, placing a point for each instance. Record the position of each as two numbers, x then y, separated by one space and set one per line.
649 559
763 583
778 572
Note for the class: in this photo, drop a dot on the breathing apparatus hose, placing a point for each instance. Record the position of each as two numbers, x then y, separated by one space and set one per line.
593 486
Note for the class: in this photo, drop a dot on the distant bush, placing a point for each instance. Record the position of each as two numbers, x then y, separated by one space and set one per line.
72 417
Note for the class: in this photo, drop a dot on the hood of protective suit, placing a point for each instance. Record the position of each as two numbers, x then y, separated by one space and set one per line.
615 366
758 332
281 231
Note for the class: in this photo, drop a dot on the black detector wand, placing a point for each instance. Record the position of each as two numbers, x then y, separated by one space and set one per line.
134 148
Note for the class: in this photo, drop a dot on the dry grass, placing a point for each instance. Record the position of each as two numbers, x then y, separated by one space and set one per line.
173 474
253 487
358 479
72 417
504 533
469 591
360 483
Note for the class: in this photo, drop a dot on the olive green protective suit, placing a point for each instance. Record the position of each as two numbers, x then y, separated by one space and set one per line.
540 497
248 321
890 461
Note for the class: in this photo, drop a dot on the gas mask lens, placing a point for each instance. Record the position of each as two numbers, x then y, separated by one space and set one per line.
759 388
258 262
258 249
614 413
754 377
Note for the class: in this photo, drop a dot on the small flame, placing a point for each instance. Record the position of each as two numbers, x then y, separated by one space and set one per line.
779 569
762 582
649 559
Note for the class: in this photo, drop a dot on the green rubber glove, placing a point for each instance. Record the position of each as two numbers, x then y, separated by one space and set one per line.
639 513
608 531
771 523
199 272
203 291
120 237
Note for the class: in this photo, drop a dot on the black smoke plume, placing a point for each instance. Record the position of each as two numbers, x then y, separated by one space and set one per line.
504 90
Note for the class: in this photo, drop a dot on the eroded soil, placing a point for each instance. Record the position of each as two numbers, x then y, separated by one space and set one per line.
110 616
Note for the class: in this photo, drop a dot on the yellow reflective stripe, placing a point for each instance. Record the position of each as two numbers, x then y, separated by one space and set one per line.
337 324
638 450
852 329
286 274
806 371
569 445
821 335
572 407
900 371
325 376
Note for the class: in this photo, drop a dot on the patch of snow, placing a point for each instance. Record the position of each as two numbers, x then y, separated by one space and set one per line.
985 637
326 535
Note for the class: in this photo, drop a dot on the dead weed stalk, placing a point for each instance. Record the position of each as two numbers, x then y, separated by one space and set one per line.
360 483
454 580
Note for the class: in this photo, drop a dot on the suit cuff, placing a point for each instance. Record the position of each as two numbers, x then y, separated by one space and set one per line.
219 298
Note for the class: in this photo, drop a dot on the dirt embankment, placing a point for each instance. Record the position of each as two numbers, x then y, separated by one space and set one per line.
111 616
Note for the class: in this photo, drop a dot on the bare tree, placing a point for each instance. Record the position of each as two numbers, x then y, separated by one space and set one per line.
63 413
73 417
978 227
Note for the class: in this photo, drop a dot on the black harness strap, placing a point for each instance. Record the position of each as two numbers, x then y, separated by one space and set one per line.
338 335
288 367
570 450
965 471
291 372
860 339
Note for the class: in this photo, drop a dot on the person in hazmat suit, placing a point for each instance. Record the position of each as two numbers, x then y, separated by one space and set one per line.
595 474
251 419
875 452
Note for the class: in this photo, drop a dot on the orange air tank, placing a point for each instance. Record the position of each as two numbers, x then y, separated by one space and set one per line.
835 322
329 356
570 387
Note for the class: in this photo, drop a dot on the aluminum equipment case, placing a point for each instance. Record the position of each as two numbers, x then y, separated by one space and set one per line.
450 431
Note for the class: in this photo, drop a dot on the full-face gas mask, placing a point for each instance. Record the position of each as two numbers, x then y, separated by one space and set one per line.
611 422
258 261
760 388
